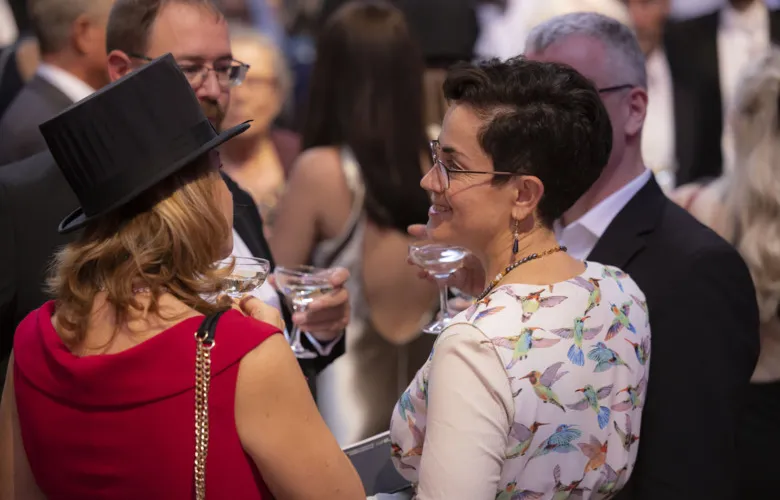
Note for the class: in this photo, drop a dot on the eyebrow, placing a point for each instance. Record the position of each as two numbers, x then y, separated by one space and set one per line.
201 59
452 151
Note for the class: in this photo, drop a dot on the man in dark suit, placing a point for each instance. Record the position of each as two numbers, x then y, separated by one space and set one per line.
42 195
706 53
71 37
701 300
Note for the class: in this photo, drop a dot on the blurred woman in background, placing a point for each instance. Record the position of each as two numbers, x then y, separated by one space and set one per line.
743 206
350 197
260 159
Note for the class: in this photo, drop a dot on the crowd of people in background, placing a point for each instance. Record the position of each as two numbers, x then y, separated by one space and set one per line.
654 161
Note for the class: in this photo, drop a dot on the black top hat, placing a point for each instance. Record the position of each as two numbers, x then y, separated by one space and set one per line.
128 136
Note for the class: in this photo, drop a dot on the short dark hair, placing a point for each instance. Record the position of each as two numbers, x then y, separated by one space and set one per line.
131 20
366 93
541 119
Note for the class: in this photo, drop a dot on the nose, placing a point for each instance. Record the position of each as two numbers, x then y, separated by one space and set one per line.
210 88
431 181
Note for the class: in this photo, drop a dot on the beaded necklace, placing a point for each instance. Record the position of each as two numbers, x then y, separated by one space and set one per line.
511 267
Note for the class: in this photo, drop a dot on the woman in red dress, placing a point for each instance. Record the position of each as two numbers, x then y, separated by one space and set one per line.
99 401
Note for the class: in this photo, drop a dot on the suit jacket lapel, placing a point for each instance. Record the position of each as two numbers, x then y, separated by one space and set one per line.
247 222
625 236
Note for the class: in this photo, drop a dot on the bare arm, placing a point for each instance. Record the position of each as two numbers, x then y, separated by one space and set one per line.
16 479
281 429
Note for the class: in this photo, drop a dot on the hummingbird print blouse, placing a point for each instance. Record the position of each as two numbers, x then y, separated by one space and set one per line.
534 392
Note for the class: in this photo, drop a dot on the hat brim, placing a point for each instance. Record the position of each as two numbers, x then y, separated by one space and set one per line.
78 218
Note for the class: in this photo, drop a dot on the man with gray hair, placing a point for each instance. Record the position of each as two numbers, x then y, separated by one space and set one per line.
72 39
701 301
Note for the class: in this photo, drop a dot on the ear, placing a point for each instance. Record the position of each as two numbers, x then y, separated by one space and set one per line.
529 192
637 110
81 34
119 64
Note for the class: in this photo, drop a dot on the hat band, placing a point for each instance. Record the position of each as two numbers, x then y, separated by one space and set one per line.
146 171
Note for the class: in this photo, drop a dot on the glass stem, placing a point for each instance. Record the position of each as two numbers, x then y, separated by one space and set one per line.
443 294
295 338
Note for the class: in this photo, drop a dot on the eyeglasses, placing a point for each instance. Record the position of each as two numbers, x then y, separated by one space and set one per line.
615 88
229 72
443 172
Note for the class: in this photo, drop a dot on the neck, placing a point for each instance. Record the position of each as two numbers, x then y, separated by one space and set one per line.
70 63
741 5
612 179
495 261
239 150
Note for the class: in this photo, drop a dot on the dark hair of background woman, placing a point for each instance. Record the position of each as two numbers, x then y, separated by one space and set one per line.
366 93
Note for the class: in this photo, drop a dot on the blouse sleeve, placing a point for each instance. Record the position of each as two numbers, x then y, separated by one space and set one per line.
470 411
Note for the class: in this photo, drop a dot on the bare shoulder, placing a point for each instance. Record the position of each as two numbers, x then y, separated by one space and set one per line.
317 173
318 164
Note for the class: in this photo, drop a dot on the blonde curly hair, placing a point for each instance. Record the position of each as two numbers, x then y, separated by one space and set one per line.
752 191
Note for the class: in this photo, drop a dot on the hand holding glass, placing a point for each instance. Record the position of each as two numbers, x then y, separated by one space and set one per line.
301 285
441 261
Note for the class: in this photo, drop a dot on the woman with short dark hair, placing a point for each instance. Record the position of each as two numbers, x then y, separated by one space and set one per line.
536 389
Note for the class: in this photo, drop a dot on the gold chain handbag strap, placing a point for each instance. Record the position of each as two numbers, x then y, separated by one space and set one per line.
204 342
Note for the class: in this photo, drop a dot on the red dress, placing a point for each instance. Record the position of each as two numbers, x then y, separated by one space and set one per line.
121 426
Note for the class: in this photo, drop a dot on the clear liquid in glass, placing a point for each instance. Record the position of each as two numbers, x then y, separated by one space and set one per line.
242 281
304 293
440 260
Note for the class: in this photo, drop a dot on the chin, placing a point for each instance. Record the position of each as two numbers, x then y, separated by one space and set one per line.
442 232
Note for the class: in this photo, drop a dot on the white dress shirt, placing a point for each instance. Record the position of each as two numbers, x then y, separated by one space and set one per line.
70 85
268 294
8 30
581 236
742 37
658 146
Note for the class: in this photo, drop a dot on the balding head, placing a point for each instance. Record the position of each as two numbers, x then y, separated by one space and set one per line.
623 59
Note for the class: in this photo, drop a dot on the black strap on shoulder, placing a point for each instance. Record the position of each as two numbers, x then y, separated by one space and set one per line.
208 329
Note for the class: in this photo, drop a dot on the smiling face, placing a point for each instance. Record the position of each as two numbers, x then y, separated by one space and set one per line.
472 212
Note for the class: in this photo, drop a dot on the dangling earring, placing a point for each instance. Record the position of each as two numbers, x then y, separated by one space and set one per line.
516 244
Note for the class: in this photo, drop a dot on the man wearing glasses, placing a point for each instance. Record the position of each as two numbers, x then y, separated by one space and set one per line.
33 194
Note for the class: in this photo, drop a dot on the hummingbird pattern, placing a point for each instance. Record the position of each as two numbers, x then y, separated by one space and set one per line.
591 398
621 320
605 358
626 437
641 350
521 344
567 491
575 388
533 301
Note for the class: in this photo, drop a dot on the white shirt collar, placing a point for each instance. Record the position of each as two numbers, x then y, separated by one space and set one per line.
755 17
73 87
657 63
594 222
